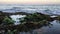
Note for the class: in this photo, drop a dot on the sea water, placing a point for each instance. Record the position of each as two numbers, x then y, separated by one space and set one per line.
45 9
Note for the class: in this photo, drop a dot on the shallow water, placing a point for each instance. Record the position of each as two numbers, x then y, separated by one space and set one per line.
53 29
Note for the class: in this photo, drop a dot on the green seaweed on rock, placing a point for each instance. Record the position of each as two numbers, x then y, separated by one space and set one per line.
8 20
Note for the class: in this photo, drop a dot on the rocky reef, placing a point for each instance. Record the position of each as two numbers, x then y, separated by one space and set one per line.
30 22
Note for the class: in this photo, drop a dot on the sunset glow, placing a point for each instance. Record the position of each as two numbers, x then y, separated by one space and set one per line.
29 1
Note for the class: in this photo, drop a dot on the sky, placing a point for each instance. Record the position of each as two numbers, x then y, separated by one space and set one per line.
29 1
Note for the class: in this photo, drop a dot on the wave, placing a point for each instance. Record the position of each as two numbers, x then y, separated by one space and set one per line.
33 9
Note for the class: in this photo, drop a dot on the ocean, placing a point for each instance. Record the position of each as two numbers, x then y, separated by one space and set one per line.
45 9
52 28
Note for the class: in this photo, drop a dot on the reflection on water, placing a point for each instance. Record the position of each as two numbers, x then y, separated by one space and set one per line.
54 29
